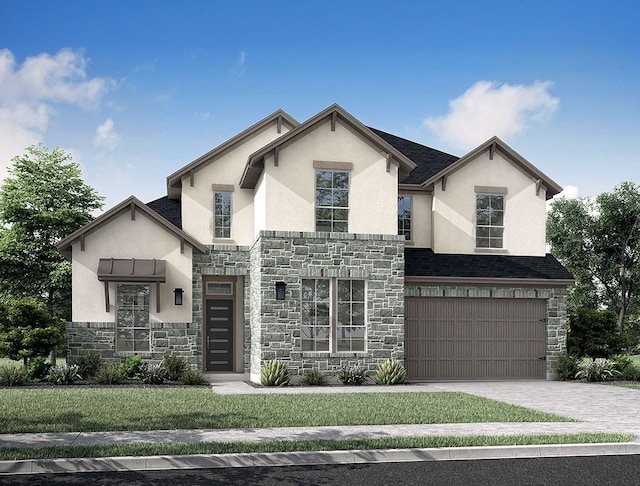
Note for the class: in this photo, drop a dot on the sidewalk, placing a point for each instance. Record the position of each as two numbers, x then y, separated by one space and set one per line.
599 408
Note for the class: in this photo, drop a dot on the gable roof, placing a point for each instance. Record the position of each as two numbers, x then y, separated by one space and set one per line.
423 262
174 181
429 161
131 204
494 143
255 164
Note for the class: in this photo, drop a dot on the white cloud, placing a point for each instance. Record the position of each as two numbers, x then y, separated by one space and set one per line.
241 64
106 135
29 92
487 109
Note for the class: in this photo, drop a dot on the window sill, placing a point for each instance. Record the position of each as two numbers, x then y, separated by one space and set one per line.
329 354
408 243
223 241
491 250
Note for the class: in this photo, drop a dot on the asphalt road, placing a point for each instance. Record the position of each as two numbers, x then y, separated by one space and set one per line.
583 471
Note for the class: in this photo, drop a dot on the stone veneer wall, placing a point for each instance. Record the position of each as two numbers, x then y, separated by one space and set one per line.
179 337
282 256
556 298
221 260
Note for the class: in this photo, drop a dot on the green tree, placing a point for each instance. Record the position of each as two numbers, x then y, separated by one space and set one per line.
28 330
599 242
43 200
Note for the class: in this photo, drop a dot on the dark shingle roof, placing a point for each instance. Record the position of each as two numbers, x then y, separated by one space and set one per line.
169 209
424 262
430 161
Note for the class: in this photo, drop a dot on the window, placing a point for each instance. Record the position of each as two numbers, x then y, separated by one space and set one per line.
132 317
404 216
332 201
219 288
333 315
222 214
489 220
350 325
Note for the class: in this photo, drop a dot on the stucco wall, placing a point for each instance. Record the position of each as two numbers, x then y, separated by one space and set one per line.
126 238
197 201
455 208
290 187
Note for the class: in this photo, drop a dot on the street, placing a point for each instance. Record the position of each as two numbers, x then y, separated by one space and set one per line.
583 471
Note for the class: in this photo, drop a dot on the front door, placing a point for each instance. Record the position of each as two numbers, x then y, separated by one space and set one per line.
219 335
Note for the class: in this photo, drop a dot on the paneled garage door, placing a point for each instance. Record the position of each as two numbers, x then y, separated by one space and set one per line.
475 339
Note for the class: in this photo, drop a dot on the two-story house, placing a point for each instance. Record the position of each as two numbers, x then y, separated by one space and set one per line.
323 243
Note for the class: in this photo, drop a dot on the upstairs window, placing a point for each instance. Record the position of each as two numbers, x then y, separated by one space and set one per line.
332 201
404 216
490 220
222 214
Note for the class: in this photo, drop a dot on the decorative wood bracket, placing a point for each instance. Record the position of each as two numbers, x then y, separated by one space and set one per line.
334 119
276 156
492 149
444 183
279 124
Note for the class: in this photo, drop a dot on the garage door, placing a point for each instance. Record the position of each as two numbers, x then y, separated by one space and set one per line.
475 339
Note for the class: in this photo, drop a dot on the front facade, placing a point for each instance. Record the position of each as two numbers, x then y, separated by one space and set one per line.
324 243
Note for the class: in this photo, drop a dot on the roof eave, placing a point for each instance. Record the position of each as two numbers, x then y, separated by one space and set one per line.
512 281
248 181
64 246
552 188
174 181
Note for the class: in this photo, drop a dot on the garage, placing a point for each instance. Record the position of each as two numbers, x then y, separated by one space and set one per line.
475 338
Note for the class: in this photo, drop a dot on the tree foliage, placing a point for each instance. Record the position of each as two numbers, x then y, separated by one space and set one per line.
43 200
594 333
599 242
28 330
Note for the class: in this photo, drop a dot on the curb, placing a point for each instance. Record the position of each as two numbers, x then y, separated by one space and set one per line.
310 458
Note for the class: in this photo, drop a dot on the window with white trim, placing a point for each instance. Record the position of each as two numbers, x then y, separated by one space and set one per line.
222 214
404 216
133 317
332 201
490 220
333 315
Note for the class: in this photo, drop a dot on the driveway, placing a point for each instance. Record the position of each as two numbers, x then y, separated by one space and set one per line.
605 407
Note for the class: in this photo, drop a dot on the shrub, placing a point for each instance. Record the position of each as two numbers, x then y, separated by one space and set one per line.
391 372
38 369
352 374
12 374
64 375
314 378
88 364
598 369
132 367
630 373
109 374
193 378
595 333
175 365
274 373
153 374
566 367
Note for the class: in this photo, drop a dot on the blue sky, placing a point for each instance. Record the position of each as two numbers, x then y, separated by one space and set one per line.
137 89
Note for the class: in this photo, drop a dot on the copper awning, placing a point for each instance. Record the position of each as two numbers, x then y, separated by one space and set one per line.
132 270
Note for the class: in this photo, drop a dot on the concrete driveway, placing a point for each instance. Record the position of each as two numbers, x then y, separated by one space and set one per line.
603 406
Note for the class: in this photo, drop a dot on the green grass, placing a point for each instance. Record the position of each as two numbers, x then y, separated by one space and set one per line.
12 453
5 361
635 359
109 409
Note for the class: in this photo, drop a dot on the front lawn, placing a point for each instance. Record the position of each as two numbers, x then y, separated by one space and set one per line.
108 409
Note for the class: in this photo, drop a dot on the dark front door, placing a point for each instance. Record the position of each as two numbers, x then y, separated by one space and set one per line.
219 335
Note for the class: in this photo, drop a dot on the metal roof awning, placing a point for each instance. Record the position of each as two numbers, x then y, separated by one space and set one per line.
132 270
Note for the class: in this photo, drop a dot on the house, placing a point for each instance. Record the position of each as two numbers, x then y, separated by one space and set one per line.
323 243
